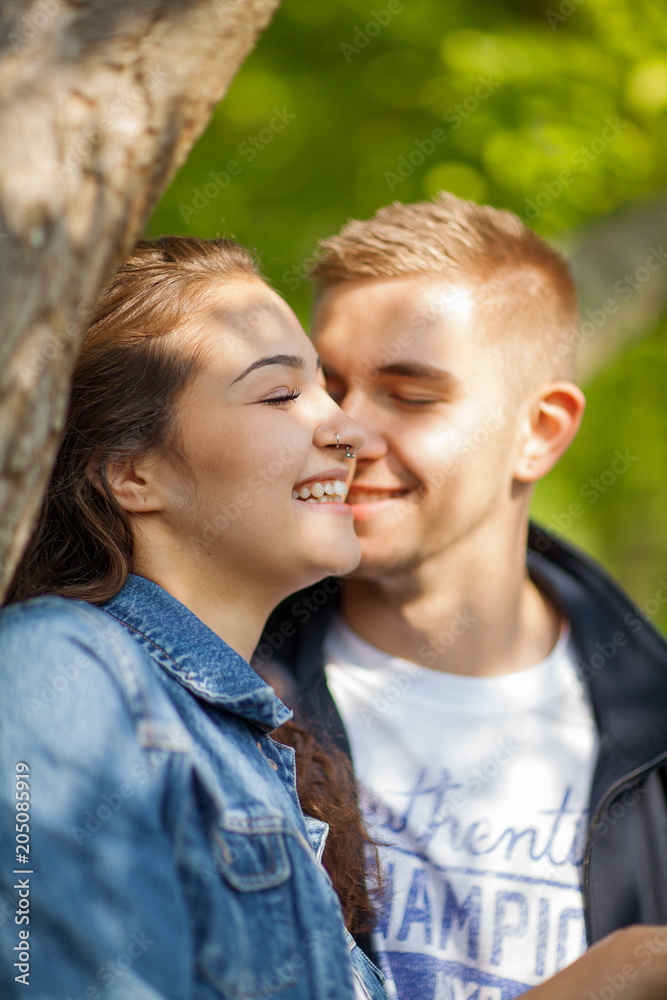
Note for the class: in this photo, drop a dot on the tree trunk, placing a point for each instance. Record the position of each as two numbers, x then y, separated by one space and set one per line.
100 102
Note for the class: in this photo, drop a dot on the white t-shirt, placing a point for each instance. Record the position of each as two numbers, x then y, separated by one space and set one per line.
479 787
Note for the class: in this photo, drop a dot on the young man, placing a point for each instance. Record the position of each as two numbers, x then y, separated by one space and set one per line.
505 709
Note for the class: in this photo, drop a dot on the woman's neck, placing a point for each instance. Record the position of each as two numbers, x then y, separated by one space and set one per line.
235 610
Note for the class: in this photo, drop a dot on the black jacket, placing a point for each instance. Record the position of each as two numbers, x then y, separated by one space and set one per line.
623 660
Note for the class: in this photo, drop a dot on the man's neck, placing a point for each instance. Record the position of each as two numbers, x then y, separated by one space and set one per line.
479 617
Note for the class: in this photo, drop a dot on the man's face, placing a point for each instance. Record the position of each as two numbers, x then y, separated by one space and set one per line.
407 358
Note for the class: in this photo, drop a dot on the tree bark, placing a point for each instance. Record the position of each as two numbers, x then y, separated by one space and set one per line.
100 102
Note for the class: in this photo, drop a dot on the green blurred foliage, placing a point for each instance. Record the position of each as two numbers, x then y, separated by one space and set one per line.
608 492
347 104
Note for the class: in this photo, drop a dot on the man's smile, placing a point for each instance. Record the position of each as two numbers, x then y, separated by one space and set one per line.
362 493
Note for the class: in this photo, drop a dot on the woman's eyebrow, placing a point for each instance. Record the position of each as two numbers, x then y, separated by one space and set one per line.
286 360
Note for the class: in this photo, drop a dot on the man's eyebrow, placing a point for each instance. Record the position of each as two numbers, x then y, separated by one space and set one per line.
404 369
416 369
286 360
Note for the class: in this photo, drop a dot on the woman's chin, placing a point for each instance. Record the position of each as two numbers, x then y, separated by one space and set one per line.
341 562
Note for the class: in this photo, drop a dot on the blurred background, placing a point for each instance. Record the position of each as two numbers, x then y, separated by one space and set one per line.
555 109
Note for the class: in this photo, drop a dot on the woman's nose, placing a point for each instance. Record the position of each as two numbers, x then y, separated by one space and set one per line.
340 431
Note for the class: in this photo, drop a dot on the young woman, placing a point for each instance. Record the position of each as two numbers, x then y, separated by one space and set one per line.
153 845
152 824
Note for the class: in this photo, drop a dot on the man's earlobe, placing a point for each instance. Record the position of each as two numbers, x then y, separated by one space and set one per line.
551 424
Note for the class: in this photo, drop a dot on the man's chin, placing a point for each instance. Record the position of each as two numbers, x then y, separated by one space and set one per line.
374 564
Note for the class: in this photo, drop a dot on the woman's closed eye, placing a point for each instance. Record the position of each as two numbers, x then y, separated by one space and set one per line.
282 395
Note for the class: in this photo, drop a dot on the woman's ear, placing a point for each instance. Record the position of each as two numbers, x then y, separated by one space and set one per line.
550 425
131 483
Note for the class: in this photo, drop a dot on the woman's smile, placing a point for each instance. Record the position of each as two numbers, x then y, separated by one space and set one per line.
323 488
261 434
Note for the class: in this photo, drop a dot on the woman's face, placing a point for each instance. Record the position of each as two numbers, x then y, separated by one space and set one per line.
264 496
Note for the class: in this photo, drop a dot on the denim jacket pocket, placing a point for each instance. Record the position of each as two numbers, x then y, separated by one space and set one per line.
251 860
251 948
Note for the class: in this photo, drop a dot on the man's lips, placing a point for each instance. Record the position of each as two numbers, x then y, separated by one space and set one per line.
361 493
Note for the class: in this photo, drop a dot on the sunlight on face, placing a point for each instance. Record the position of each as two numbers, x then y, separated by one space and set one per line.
255 422
454 303
406 359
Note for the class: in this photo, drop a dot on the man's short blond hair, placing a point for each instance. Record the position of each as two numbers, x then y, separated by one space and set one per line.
523 287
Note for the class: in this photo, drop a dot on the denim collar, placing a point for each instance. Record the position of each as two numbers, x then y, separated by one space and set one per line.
194 655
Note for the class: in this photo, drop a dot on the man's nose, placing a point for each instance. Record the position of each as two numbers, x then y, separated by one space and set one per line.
363 413
350 431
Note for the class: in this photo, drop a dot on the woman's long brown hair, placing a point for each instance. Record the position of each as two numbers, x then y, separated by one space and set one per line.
127 380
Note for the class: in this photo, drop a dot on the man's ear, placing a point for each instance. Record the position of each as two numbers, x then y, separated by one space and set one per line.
132 484
550 425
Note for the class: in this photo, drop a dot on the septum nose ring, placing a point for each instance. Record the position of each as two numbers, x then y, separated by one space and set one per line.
348 451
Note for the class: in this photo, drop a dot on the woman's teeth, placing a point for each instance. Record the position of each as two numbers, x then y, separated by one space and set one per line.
330 491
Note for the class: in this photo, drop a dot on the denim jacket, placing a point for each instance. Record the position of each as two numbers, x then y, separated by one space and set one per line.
167 855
